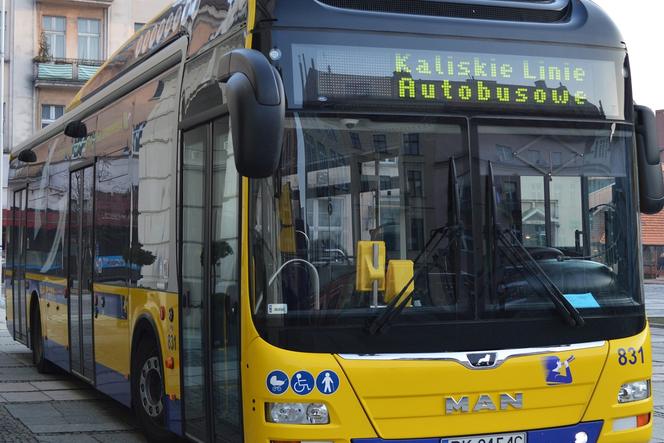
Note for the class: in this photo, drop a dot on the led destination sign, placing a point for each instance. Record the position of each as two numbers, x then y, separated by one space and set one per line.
335 74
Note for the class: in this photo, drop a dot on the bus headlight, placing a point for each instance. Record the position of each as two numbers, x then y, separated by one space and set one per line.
634 391
297 413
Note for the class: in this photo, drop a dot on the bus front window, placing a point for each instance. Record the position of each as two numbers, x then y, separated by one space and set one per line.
343 180
519 204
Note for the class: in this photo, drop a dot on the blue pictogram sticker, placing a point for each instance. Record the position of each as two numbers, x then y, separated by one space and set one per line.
302 382
327 382
558 372
277 382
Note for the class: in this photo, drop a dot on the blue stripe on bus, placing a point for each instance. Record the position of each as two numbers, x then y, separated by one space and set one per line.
110 305
113 384
174 416
57 354
553 435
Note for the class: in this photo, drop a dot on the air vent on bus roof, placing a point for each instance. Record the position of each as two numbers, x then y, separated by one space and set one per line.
539 11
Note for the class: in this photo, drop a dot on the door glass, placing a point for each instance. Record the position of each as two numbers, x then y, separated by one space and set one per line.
86 266
81 218
19 266
75 198
224 287
193 189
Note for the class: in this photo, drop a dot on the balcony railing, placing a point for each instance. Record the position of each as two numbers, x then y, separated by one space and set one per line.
64 72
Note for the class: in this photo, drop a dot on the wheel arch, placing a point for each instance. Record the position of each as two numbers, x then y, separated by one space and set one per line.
145 327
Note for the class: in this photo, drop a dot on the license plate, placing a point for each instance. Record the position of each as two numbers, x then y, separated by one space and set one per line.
495 438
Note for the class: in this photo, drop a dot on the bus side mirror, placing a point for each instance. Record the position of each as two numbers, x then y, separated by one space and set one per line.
257 107
651 182
76 129
27 156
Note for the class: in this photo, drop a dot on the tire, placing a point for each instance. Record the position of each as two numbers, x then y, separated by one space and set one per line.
148 393
37 341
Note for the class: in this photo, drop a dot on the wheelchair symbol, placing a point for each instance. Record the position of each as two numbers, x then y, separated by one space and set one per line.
302 382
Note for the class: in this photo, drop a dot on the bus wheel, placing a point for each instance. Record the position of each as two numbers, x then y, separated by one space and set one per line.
43 365
148 392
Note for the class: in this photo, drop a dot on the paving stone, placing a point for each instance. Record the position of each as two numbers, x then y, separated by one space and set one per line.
12 430
55 385
69 438
68 395
17 387
125 437
24 397
76 427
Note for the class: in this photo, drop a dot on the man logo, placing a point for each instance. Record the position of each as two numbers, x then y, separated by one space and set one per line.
484 402
483 360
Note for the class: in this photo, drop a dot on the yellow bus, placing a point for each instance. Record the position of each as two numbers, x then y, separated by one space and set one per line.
357 221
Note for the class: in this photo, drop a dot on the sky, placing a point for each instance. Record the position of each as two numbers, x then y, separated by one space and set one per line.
641 22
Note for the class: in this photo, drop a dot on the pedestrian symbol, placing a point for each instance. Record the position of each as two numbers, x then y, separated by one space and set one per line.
327 382
302 382
277 382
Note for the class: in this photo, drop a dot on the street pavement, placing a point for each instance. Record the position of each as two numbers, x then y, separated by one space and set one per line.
57 407
655 308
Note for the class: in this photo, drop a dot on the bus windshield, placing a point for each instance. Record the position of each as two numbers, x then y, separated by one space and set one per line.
508 194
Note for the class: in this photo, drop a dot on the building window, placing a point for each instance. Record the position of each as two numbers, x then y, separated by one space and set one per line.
88 39
380 143
355 141
415 183
54 32
416 239
138 26
411 144
51 113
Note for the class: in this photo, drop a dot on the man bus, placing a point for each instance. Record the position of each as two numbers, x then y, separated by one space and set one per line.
348 220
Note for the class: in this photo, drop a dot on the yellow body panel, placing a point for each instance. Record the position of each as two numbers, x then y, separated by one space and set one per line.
112 339
604 404
406 399
347 417
113 335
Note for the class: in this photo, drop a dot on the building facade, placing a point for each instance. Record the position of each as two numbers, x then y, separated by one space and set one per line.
52 47
55 46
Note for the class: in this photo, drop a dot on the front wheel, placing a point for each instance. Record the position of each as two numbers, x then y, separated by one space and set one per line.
148 394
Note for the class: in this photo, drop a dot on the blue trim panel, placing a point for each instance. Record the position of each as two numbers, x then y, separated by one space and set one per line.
113 384
110 305
57 354
174 416
552 435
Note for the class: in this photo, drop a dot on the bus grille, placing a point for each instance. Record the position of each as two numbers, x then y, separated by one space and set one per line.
437 8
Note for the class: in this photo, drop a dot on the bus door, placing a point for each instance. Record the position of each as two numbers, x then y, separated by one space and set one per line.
80 271
210 284
19 282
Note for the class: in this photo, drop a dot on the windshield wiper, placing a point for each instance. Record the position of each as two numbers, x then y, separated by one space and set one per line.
517 254
396 305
